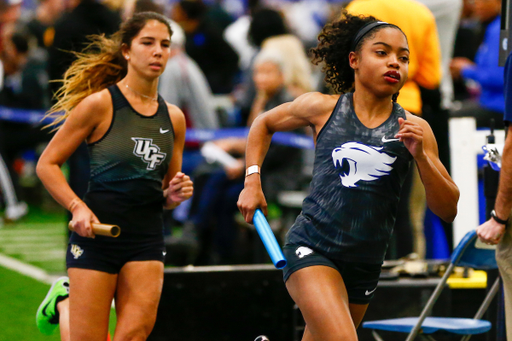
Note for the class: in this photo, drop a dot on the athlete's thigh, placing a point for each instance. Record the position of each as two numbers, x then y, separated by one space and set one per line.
90 298
320 293
139 289
357 312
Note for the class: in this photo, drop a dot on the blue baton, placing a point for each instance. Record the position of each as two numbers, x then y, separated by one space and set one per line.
268 239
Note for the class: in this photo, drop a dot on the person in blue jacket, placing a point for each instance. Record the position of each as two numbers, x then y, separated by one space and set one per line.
485 70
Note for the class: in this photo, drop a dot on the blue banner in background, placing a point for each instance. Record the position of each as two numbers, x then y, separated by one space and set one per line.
193 135
23 116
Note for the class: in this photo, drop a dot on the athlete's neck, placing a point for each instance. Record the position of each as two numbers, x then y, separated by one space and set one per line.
370 109
140 87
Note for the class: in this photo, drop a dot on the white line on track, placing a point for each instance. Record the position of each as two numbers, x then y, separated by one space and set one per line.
29 238
21 232
43 247
39 242
46 256
26 269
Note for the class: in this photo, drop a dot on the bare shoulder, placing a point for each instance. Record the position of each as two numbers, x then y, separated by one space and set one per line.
416 119
427 130
93 108
100 100
314 104
177 116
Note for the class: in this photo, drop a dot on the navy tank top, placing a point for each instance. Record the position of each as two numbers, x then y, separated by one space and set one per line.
128 165
357 178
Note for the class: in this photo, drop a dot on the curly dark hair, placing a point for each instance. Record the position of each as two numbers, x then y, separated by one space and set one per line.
334 46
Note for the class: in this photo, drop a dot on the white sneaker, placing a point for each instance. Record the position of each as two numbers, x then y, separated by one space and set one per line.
15 212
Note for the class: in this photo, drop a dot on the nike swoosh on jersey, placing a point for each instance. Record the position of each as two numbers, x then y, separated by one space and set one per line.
163 131
384 140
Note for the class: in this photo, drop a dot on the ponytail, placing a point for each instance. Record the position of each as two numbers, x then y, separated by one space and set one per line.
100 65
395 97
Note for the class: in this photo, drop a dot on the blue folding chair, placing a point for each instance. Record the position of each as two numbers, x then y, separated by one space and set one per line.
466 254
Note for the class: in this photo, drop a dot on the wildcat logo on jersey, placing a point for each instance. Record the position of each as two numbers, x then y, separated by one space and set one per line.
357 161
76 251
148 152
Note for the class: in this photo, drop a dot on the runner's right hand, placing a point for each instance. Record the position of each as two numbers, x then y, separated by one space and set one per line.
82 219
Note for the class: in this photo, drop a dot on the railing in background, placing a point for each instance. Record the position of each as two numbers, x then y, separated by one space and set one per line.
193 135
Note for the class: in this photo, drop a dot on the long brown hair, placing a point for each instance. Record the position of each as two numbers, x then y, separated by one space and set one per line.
100 65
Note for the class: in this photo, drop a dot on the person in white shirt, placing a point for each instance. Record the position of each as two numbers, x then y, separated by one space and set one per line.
185 85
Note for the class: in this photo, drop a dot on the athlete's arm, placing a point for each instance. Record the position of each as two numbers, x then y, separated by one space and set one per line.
82 123
442 193
311 109
177 186
491 231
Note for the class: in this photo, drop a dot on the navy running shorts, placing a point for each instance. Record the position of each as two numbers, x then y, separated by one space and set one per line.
109 254
360 278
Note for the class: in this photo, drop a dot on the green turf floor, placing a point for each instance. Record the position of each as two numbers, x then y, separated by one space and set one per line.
39 239
20 297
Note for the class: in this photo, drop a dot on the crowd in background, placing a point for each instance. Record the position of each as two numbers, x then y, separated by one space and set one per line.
230 61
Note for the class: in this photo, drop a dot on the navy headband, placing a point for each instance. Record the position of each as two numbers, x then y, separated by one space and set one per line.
364 31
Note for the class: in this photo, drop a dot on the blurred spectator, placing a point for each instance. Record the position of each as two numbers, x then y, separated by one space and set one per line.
485 70
10 11
268 31
306 19
130 7
297 68
116 6
86 18
211 225
184 84
283 164
217 14
435 109
206 45
25 78
41 26
419 25
237 35
466 45
447 15
25 86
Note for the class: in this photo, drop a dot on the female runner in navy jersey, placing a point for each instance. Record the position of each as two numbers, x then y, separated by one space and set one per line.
135 139
364 144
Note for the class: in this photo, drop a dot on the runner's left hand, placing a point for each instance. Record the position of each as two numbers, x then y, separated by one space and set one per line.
411 134
180 189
